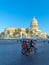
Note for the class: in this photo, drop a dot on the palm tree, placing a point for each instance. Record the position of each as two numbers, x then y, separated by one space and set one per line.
19 30
15 33
27 30
2 34
8 31
8 34
31 32
47 36
15 30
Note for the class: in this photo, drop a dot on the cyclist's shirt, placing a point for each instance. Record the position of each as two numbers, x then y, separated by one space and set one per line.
24 45
28 45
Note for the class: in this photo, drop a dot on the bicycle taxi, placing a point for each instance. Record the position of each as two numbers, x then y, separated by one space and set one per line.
28 46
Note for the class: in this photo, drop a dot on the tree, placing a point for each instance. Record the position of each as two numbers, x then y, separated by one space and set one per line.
27 30
2 35
19 30
31 32
8 31
15 33
47 36
15 30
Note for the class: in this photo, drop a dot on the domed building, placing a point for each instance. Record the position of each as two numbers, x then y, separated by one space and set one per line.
32 32
34 25
34 28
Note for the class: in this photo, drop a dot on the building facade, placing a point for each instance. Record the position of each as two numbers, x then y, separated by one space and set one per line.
32 32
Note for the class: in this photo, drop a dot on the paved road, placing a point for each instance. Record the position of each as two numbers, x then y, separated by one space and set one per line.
10 54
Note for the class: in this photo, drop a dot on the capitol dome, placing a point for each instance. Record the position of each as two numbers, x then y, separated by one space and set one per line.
34 21
34 24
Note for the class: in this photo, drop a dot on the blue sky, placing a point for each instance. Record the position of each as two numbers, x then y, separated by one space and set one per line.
19 13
